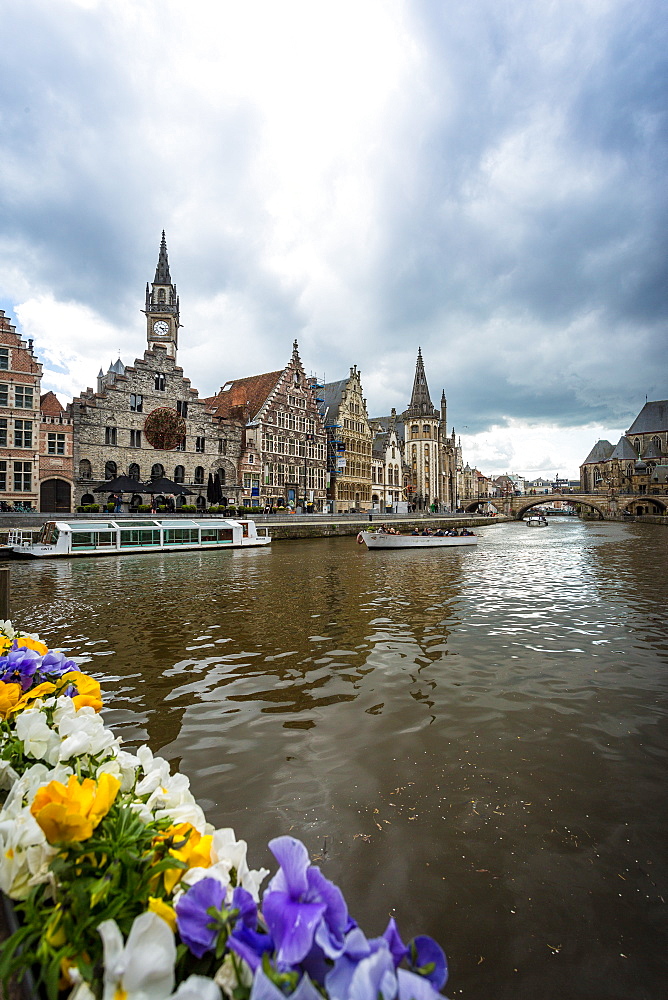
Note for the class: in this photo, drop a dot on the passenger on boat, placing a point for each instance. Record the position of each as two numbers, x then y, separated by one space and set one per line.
415 531
439 533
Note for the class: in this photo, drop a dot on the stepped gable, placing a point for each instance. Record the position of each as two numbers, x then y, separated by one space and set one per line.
247 395
50 405
601 452
653 417
624 451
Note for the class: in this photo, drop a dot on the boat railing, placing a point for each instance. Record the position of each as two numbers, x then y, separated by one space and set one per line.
21 539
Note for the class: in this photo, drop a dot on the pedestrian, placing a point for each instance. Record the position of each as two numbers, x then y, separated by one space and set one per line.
118 503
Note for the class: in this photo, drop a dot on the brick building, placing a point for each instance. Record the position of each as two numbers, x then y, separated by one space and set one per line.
349 443
20 375
283 455
56 456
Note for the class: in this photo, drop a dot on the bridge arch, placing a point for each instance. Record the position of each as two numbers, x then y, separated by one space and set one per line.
645 504
539 501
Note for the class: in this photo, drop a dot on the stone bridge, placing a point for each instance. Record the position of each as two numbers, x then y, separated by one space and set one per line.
607 506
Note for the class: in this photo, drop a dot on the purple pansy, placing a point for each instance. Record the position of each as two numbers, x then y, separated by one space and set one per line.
301 906
427 959
192 918
396 945
250 945
264 989
20 665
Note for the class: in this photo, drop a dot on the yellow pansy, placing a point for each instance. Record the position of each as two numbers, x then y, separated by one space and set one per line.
39 691
68 813
189 846
28 643
10 695
163 910
88 689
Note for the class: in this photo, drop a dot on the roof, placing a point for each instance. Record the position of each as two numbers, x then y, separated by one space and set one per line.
624 450
651 452
50 405
601 452
249 394
652 417
331 394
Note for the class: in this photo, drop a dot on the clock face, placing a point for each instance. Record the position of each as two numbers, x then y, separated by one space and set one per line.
160 328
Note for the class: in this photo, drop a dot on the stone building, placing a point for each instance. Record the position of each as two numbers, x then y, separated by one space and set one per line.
56 456
283 454
349 443
145 421
388 469
637 462
20 375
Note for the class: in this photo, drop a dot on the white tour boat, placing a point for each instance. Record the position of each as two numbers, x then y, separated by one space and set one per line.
109 537
388 540
536 521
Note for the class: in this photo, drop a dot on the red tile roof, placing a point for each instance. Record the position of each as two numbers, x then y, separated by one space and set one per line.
245 396
50 405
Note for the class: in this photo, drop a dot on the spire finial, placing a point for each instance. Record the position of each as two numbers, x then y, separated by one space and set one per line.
162 276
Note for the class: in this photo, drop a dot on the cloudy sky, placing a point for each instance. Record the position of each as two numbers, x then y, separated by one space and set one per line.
485 179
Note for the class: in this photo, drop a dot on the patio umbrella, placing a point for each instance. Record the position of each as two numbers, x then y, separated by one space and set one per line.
211 490
122 484
165 486
218 488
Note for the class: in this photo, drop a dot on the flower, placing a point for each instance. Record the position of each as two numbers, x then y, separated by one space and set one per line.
301 905
31 642
39 740
10 694
197 928
187 845
70 813
88 689
428 959
163 909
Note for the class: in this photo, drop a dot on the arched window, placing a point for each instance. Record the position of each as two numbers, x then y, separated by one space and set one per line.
158 471
221 476
87 498
133 471
656 441
110 470
199 476
426 430
200 503
161 295
179 474
415 430
85 470
636 445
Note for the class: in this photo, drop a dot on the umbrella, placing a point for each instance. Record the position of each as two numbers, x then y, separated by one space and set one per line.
218 488
211 490
122 484
165 486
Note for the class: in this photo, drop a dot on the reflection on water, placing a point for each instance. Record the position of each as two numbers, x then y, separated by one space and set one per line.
474 741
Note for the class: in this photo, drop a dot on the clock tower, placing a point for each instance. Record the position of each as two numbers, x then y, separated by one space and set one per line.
162 306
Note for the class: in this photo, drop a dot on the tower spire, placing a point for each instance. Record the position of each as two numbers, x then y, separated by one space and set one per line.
162 276
420 400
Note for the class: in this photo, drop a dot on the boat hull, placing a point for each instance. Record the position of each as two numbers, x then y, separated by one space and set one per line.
380 540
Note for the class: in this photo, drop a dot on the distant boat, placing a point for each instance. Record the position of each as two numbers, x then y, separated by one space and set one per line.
387 540
536 521
112 537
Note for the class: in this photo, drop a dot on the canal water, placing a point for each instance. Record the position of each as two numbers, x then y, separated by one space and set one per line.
473 741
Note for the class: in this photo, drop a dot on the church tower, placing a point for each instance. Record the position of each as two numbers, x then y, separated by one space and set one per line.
162 306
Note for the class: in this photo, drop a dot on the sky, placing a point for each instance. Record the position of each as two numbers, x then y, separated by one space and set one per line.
483 179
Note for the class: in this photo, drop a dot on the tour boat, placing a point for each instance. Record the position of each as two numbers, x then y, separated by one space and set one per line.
109 537
387 540
536 521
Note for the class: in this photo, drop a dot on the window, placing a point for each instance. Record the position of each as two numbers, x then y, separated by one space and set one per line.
180 445
133 471
3 477
4 394
199 476
55 444
3 433
426 431
159 381
4 359
179 474
136 402
251 459
415 430
23 433
161 295
23 397
85 470
222 446
199 444
157 471
110 435
135 439
182 407
22 477
110 470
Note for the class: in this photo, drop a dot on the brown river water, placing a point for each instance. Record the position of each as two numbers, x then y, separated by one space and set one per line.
473 741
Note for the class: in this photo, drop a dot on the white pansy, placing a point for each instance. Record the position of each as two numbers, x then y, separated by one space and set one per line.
7 775
197 988
38 739
123 766
83 732
226 977
227 850
155 771
25 853
172 798
143 967
6 628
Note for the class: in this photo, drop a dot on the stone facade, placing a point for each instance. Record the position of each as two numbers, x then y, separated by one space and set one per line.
56 456
20 375
349 443
284 443
638 462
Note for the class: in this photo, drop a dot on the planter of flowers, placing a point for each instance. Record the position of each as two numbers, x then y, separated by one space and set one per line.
122 889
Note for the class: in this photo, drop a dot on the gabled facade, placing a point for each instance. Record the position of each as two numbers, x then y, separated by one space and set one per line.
349 443
388 470
145 421
20 376
630 466
56 456
284 444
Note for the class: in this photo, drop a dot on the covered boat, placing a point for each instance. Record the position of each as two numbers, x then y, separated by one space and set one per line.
536 521
109 537
389 540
